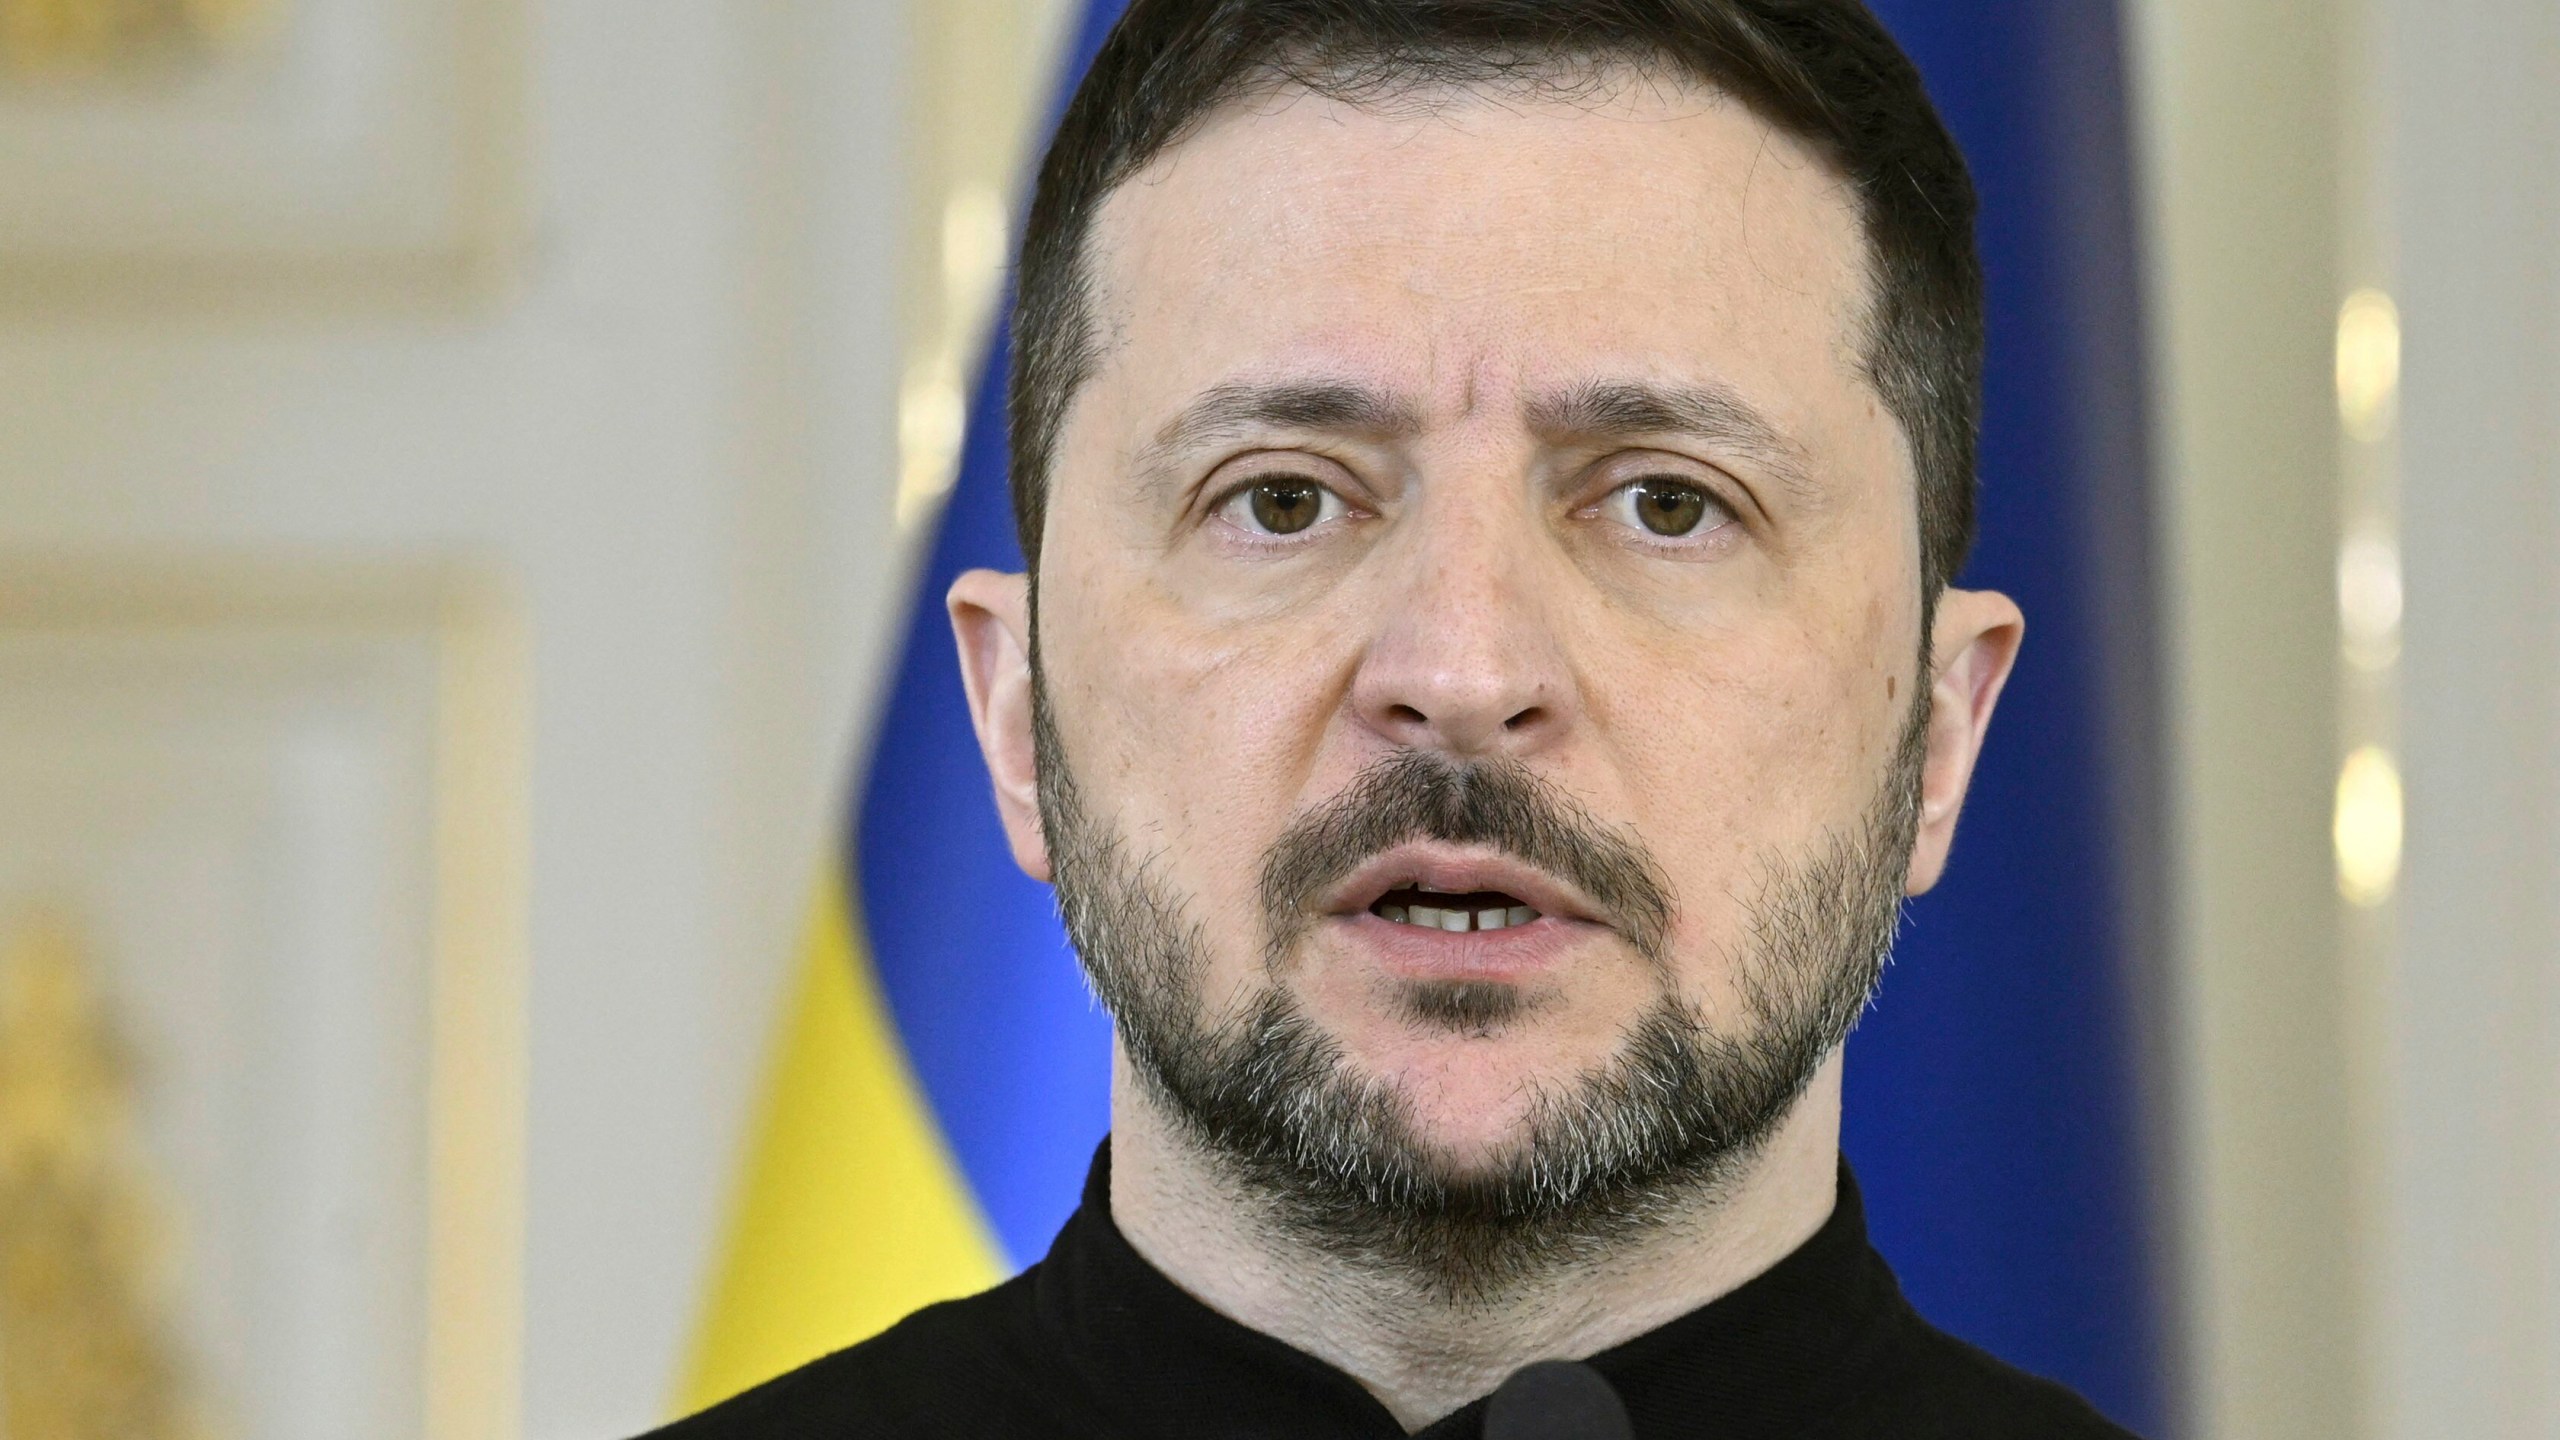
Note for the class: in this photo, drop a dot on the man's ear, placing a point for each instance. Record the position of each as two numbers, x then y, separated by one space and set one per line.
991 623
1972 647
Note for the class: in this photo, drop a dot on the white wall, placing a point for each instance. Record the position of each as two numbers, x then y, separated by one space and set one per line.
2370 1133
2466 1144
677 437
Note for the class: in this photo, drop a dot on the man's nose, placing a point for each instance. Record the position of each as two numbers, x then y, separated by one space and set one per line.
1467 657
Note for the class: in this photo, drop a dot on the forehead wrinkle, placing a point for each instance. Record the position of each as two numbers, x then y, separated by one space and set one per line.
1632 409
1239 410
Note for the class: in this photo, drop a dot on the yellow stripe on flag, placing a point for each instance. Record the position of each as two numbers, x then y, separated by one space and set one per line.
854 1213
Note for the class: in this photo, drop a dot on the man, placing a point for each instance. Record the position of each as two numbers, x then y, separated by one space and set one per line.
1491 472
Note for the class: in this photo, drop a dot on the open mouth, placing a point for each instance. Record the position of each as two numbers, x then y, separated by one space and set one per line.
1457 913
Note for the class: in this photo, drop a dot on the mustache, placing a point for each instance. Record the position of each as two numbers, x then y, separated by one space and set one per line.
1498 803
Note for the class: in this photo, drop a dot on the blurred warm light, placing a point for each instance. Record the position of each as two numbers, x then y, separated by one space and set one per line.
2369 601
933 415
933 404
2366 829
973 246
2368 363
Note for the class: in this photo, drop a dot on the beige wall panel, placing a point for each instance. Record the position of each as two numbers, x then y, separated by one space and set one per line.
674 435
270 831
2373 1137
2240 131
2466 1317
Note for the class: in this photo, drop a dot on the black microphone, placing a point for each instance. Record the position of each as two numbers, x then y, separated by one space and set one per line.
1557 1400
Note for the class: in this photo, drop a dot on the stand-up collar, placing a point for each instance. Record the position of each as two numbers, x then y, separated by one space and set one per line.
1768 1359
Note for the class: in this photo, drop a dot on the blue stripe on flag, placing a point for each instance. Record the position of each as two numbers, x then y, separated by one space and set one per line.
1011 1051
1993 1105
1009 1048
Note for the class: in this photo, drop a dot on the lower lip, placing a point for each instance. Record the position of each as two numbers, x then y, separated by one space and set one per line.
1510 953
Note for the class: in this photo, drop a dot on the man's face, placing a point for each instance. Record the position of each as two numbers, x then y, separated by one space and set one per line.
1505 436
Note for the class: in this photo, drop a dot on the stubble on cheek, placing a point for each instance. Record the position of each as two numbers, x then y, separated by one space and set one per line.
1734 764
1194 744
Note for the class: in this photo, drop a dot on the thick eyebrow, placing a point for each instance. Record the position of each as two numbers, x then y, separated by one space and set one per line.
1236 410
1630 409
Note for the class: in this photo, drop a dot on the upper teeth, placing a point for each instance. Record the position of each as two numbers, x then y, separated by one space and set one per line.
1433 917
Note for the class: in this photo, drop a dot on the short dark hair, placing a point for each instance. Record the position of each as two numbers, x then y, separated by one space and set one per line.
1823 71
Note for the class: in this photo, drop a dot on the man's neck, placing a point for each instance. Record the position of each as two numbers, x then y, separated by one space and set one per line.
1420 1353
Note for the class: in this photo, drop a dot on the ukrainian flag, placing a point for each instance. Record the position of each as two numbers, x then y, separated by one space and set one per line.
943 1075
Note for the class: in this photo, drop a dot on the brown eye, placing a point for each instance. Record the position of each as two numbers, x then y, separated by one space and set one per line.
1668 507
1285 507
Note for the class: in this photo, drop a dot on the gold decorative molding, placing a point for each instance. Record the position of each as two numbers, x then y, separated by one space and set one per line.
68 53
469 621
136 40
85 1345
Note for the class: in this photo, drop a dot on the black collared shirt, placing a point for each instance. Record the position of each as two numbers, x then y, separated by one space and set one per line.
1093 1341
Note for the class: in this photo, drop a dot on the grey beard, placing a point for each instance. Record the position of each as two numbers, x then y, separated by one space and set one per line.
1336 1160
